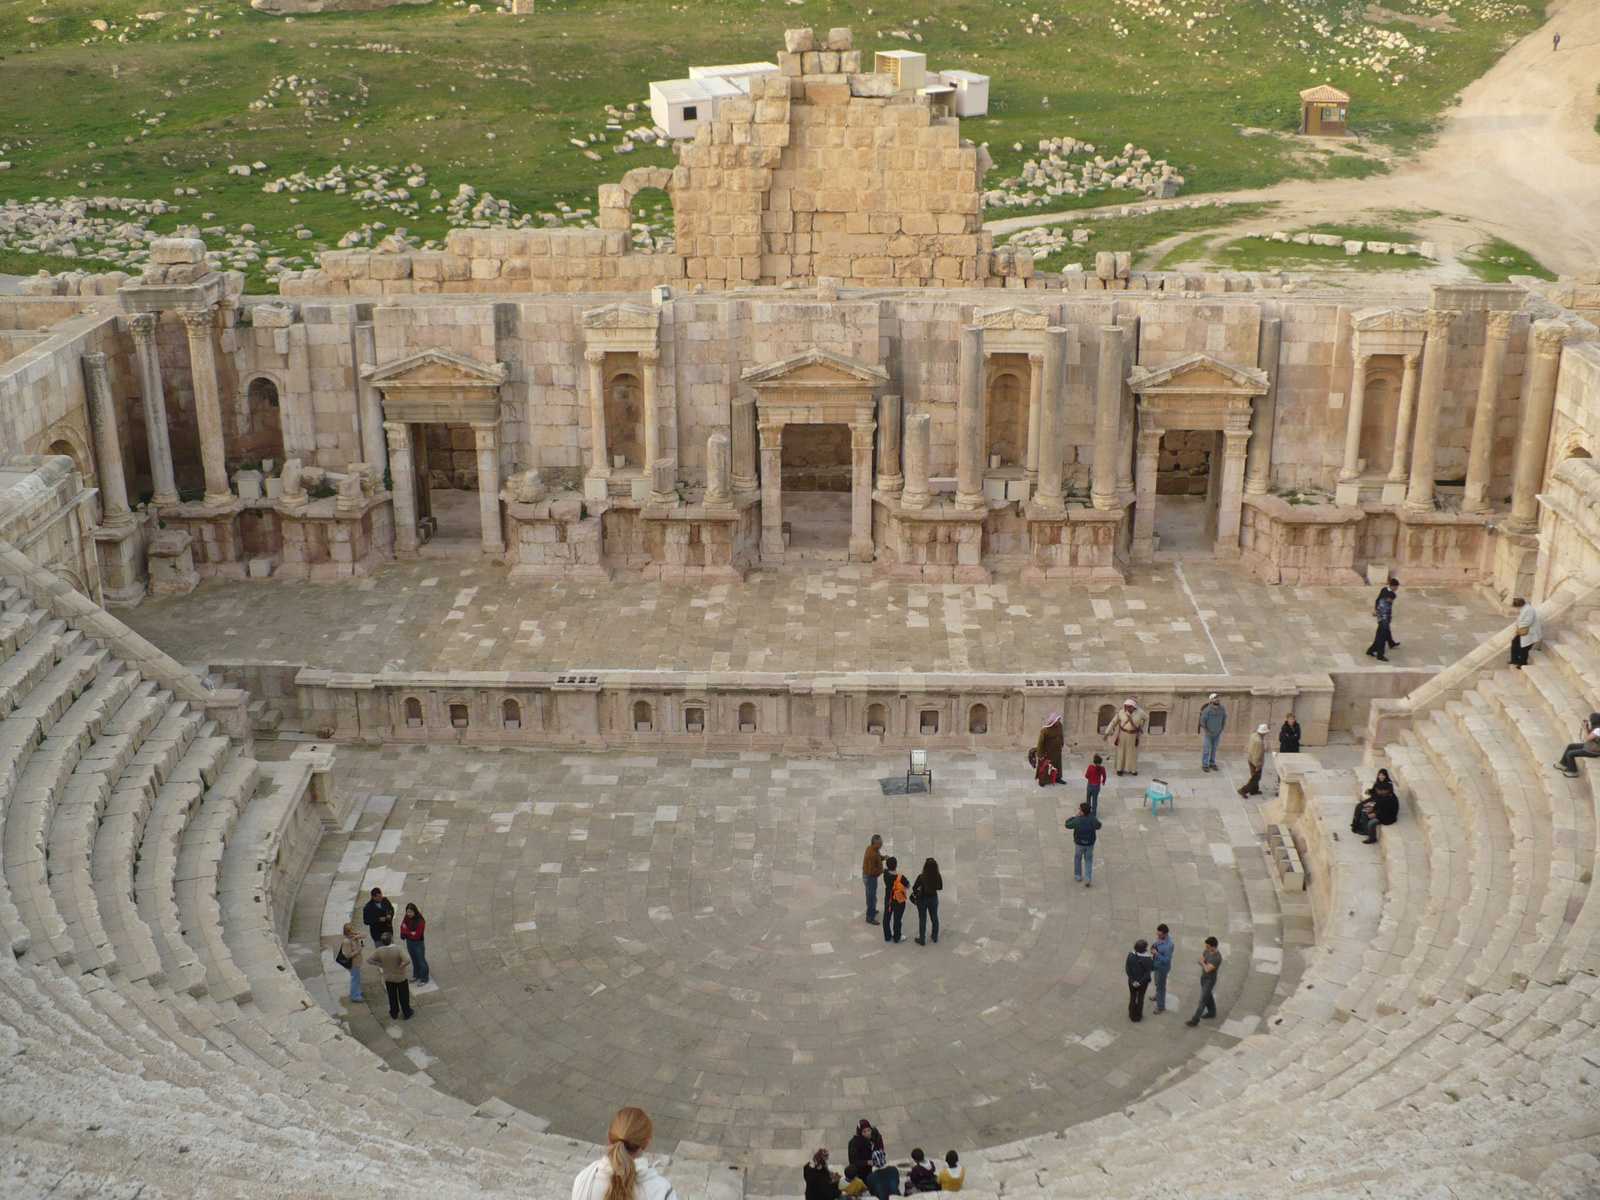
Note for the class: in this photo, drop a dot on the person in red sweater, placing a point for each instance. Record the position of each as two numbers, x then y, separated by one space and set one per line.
1096 776
412 931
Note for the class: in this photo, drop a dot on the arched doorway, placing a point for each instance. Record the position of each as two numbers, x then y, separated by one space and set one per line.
67 450
1006 432
260 431
625 414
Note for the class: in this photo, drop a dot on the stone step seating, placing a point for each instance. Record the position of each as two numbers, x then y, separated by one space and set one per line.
1444 1007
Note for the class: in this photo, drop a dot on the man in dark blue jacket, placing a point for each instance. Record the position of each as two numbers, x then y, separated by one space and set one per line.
1083 827
1140 966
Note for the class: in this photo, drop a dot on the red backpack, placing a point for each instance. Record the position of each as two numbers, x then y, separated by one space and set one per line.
1047 773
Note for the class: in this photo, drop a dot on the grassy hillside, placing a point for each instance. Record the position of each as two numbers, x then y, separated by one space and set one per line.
101 102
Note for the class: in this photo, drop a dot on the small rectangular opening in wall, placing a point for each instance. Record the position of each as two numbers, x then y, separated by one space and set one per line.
458 716
694 720
643 726
930 721
1158 721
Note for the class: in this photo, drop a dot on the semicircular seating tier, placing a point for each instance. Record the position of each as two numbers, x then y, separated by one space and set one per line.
158 1041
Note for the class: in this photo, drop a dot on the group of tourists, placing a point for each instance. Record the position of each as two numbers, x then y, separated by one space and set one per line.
400 967
898 890
868 1171
1149 964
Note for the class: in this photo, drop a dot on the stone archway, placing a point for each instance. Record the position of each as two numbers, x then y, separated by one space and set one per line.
1196 392
816 387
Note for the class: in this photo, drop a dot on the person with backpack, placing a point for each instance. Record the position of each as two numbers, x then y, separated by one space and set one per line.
896 891
1084 828
925 895
351 957
1046 756
1095 777
923 1177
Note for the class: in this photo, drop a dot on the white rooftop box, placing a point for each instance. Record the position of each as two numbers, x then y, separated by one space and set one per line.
908 68
680 105
734 71
972 92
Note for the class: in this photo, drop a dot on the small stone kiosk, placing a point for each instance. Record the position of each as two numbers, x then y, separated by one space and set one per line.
1324 112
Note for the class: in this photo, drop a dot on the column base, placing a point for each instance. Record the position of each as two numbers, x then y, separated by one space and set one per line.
1347 493
597 486
970 501
862 549
165 499
891 483
121 550
1394 492
772 544
218 499
1420 508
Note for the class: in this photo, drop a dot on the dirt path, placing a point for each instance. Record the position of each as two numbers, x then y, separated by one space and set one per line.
1518 157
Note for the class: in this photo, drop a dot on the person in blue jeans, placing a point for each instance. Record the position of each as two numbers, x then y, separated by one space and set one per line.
896 890
1084 828
1162 952
1213 717
925 895
413 932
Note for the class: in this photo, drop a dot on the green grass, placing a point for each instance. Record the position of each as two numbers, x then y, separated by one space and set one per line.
1261 254
1139 233
537 81
1496 261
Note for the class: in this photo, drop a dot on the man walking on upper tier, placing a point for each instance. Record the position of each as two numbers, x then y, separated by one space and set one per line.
1213 718
1383 609
1255 756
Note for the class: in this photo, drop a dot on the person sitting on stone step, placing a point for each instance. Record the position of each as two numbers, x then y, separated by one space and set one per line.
1589 747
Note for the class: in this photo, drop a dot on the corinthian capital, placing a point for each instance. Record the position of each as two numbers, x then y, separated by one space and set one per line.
594 356
143 327
199 320
1497 325
1548 336
399 436
1439 320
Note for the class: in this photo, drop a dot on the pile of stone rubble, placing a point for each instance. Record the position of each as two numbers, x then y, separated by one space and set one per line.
1053 175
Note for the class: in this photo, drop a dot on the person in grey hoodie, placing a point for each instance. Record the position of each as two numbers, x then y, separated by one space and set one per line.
1213 717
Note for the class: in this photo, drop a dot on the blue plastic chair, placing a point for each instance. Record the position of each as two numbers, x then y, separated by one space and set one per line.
1158 791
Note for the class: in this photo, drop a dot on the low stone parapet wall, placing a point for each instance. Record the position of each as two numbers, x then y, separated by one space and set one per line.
815 714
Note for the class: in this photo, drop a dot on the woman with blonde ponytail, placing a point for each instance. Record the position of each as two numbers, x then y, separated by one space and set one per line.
623 1172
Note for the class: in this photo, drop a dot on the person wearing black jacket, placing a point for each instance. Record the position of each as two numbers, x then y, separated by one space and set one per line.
859 1151
1140 966
378 916
1289 736
1380 806
822 1182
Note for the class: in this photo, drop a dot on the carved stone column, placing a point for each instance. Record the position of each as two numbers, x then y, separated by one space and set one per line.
1107 418
369 400
157 440
599 461
1430 399
719 469
915 497
1144 494
969 420
1350 472
208 405
861 435
1052 419
107 448
744 444
1480 458
1394 486
771 489
1035 416
1264 412
1543 361
486 434
405 489
1127 409
1234 443
652 412
890 411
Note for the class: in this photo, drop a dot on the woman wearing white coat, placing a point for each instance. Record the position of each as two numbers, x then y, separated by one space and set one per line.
624 1173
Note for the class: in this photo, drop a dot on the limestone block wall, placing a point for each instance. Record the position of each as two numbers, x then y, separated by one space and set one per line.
492 260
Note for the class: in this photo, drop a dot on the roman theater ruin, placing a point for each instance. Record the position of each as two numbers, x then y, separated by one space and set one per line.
596 599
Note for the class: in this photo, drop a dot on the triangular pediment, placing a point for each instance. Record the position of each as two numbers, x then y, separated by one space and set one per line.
621 316
1389 320
436 368
1013 318
1199 373
816 368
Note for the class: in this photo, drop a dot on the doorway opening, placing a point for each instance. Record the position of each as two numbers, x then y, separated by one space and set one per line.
624 394
1010 381
261 433
449 477
1188 491
816 490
